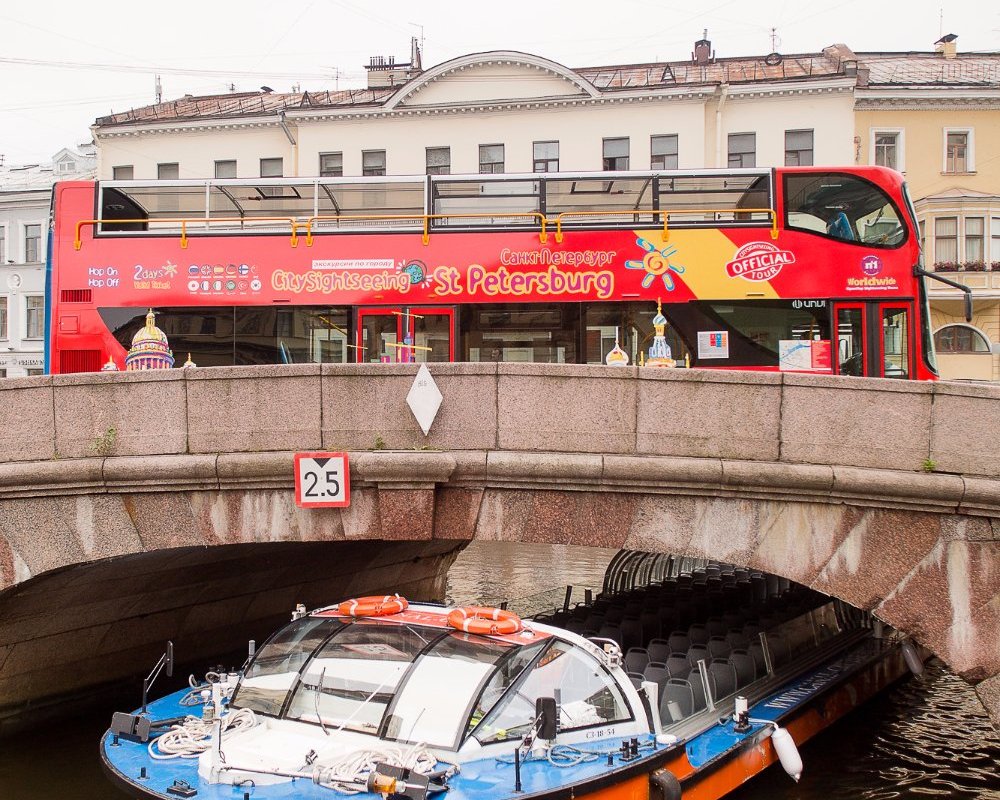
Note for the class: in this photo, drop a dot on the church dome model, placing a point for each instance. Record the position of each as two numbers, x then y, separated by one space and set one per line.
150 349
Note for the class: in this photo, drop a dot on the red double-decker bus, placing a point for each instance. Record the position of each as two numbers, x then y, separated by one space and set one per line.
799 269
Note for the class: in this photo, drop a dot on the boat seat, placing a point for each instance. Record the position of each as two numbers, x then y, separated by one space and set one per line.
677 700
677 665
715 627
650 621
745 667
636 678
778 645
756 651
679 642
736 638
698 689
724 676
657 673
698 633
636 659
696 653
659 650
718 647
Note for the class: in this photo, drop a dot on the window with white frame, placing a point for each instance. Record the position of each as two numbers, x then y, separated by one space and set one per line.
331 165
799 148
743 150
960 339
663 151
3 317
958 150
272 168
32 243
225 169
946 242
975 228
34 305
3 245
887 149
170 171
123 172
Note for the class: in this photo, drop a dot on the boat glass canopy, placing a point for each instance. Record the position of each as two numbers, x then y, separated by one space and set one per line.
411 683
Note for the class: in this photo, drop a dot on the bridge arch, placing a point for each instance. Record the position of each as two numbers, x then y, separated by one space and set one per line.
745 480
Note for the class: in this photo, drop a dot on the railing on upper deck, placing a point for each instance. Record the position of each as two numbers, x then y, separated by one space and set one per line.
533 202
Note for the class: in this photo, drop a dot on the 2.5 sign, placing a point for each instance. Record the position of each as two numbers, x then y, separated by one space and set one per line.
322 480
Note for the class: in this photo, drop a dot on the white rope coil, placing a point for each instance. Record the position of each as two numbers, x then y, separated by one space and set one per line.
347 773
193 736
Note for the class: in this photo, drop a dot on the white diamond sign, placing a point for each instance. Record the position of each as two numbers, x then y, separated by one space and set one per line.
424 399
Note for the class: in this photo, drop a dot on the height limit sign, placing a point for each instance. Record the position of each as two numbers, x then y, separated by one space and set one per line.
322 480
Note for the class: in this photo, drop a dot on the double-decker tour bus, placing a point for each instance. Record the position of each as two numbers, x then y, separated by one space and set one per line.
799 269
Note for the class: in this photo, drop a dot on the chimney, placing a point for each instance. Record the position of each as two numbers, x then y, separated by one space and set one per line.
383 71
703 51
946 46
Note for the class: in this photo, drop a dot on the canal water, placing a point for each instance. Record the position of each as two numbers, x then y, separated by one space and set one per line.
925 738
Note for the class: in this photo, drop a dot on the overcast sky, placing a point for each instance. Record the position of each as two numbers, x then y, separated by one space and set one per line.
63 63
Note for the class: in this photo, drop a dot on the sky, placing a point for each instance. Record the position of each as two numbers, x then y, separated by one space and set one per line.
63 64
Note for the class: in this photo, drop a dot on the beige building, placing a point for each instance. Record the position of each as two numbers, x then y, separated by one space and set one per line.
501 112
936 118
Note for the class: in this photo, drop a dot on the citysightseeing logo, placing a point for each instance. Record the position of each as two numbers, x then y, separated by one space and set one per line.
759 261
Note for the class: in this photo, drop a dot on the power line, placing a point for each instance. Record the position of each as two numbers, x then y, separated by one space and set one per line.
152 70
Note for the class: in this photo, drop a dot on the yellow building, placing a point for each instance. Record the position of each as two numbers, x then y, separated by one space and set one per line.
936 118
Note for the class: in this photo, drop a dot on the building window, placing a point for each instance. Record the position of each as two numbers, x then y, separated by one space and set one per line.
225 169
975 228
743 150
958 151
272 168
372 162
995 243
615 155
438 160
123 173
960 339
946 242
32 243
34 305
331 165
66 166
490 158
3 317
168 172
545 157
34 372
663 152
3 245
887 149
798 148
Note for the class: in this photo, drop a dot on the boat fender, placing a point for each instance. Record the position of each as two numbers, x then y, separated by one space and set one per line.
788 753
912 658
666 783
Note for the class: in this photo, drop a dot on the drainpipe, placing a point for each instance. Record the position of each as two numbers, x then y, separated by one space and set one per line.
723 94
295 148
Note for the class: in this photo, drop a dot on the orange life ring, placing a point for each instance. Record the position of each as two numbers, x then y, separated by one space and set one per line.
374 606
486 621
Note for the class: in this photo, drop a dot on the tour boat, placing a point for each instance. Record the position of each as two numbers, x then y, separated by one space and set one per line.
680 679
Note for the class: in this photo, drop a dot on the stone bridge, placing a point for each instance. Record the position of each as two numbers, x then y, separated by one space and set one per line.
145 506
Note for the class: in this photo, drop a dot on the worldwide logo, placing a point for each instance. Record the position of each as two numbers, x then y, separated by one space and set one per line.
871 265
759 261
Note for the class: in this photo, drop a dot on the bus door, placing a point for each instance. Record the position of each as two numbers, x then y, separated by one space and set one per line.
406 334
874 339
